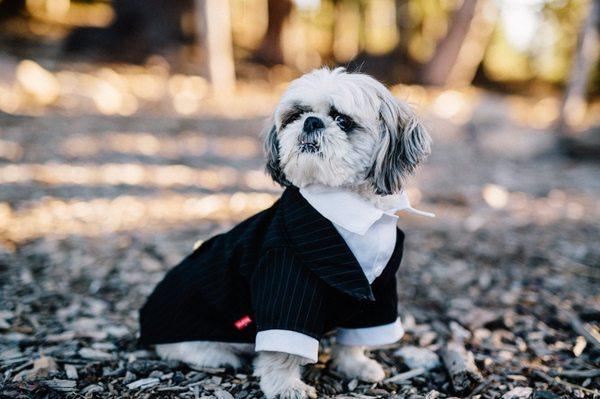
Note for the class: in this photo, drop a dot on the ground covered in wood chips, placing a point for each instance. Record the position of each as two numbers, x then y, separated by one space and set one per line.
94 209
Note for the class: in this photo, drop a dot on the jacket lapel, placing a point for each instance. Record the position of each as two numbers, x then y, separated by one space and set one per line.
322 248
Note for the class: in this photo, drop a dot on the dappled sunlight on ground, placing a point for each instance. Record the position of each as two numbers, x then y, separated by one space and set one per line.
163 176
27 87
59 217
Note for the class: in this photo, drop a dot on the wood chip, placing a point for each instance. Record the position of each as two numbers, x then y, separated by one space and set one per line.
416 357
406 376
143 383
71 372
89 353
579 327
61 385
220 394
578 373
461 367
518 393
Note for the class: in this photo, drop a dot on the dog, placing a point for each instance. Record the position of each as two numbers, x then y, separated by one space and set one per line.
322 258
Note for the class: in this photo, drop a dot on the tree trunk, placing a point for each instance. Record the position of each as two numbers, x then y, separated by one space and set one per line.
11 8
472 51
214 37
140 28
438 69
403 24
574 102
270 51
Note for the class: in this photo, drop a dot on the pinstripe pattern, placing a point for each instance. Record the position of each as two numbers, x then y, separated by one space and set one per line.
286 296
286 268
325 253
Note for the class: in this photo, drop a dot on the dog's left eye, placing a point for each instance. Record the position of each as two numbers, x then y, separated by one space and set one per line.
291 115
344 121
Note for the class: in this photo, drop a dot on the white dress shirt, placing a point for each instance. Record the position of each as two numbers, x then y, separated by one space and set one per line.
370 232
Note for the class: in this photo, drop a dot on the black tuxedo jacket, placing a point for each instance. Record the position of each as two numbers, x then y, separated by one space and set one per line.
284 268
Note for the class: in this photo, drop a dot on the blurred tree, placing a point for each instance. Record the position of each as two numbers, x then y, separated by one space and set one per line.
395 65
472 52
573 107
585 57
439 67
214 38
270 51
347 30
140 27
143 27
404 24
10 8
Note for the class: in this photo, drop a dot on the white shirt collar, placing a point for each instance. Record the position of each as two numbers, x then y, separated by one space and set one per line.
351 211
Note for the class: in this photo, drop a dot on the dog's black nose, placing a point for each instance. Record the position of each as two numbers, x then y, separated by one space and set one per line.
312 123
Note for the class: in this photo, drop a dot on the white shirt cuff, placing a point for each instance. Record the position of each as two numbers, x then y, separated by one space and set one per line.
287 341
371 336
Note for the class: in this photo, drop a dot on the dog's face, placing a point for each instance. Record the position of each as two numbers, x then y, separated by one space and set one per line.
343 129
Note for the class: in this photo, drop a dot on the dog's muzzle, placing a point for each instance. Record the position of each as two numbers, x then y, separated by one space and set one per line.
311 131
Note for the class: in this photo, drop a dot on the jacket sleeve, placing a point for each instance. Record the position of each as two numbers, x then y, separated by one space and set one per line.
377 323
289 305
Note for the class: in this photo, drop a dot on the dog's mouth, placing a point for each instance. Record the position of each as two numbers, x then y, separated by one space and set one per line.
308 143
308 146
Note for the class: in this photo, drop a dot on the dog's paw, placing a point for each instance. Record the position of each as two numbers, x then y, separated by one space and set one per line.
364 369
216 359
297 390
200 354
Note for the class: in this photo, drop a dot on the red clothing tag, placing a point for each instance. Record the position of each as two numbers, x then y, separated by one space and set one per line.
243 322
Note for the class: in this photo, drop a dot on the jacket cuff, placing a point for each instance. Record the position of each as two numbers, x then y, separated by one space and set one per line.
371 336
287 341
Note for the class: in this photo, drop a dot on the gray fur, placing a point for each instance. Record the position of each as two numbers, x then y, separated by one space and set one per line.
273 166
405 143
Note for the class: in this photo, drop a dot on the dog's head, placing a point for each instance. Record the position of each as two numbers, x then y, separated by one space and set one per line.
343 129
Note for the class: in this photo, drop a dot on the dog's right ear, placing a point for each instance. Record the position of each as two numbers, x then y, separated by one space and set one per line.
404 144
272 153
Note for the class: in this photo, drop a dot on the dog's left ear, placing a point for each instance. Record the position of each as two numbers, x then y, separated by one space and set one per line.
272 153
404 144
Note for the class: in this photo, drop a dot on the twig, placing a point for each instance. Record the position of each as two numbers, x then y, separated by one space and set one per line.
22 366
578 373
407 375
173 389
461 367
578 326
481 387
542 375
575 386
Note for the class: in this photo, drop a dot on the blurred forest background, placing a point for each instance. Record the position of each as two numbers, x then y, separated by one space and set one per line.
533 47
130 130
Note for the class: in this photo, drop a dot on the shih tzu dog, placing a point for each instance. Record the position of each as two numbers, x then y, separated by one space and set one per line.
322 258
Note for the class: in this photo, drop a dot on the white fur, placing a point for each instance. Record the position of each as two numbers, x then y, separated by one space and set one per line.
344 159
353 363
386 143
371 160
200 354
279 375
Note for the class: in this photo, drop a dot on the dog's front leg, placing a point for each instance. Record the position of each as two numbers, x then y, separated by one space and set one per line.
353 363
279 375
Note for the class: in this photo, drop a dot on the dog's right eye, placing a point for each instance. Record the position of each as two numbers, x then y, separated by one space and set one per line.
344 122
293 115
